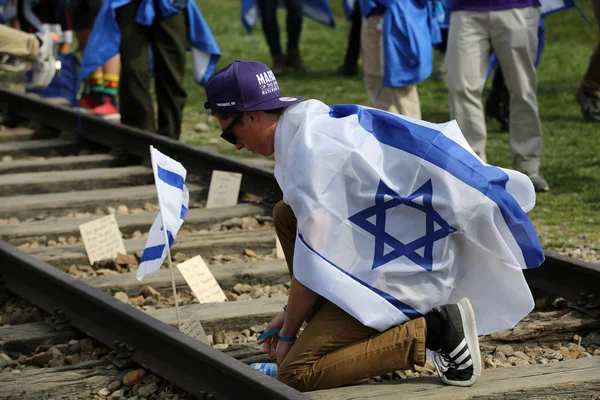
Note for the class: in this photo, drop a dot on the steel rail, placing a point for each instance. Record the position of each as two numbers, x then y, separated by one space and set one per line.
182 360
201 163
566 277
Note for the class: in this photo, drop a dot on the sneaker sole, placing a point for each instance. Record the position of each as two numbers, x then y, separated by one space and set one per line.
470 328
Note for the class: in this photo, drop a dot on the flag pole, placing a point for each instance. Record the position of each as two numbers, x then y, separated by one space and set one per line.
166 244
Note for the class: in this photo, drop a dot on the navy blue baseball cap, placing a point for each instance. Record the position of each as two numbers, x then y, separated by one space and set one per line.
245 86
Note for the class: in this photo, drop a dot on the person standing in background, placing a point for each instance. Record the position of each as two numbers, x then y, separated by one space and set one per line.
587 96
510 29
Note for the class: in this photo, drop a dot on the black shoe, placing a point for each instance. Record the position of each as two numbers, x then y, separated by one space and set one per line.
459 355
589 105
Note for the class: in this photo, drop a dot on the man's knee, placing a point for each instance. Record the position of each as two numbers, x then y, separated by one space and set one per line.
294 378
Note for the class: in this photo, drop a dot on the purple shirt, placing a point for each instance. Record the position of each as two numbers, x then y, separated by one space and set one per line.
491 5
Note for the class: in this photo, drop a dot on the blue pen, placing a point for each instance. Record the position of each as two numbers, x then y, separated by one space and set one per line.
273 331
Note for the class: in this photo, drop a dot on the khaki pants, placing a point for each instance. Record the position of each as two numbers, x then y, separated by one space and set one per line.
513 36
335 349
19 44
591 80
399 100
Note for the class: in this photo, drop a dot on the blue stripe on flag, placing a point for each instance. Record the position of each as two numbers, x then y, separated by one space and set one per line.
170 178
403 307
155 252
152 253
433 146
183 212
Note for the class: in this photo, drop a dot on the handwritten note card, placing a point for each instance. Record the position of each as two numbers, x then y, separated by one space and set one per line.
102 238
193 327
224 189
201 281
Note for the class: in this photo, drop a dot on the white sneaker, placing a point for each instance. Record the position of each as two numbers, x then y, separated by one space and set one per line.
45 66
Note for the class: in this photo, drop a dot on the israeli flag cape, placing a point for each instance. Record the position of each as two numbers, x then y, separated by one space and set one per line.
318 10
173 198
410 27
105 39
397 216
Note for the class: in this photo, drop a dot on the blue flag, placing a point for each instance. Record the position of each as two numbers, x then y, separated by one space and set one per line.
318 10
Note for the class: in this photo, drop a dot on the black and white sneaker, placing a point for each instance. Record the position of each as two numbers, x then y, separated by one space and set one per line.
458 361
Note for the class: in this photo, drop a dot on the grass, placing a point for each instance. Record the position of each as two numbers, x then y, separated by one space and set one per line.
567 217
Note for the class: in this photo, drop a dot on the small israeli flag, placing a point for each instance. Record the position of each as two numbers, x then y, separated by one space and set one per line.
173 198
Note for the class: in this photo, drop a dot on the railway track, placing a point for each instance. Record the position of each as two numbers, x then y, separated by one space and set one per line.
55 178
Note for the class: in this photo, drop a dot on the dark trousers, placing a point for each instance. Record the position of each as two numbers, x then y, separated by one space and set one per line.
591 80
353 49
168 39
268 14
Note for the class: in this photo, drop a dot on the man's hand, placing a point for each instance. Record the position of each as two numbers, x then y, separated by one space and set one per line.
283 348
270 342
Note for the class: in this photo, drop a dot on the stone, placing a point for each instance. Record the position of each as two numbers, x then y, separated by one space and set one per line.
180 257
585 354
249 223
114 385
541 360
244 296
51 243
104 392
219 337
151 379
250 252
591 338
237 288
134 377
521 355
72 240
74 359
534 352
87 345
149 291
148 389
220 346
149 301
246 332
122 296
499 356
122 209
125 259
73 270
488 362
556 355
116 395
137 301
256 293
40 359
14 220
506 349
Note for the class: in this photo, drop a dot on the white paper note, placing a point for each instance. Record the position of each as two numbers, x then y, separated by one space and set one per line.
102 238
201 281
193 327
224 189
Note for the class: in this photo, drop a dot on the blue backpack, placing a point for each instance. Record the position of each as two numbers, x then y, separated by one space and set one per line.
64 83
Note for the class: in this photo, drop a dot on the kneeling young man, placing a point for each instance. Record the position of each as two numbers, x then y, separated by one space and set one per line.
390 226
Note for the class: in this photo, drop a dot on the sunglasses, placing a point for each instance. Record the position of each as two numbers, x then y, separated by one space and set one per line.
227 134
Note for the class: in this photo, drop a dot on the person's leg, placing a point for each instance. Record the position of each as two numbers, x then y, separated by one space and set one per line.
350 66
168 46
590 87
294 29
514 38
111 70
335 349
400 100
19 44
134 93
467 60
268 16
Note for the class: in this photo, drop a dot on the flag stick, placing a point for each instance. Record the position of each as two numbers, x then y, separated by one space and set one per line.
167 245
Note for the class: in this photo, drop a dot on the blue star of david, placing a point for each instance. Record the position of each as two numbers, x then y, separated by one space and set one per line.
403 249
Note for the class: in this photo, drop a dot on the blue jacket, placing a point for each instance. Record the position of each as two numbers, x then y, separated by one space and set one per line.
410 27
318 10
105 39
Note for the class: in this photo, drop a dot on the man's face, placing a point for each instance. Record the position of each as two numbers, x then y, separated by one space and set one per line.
251 133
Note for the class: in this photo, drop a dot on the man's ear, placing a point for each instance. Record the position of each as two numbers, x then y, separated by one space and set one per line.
253 115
